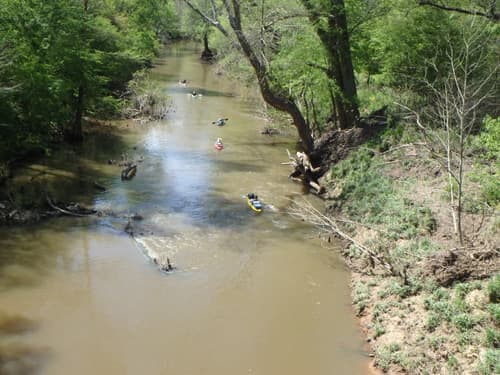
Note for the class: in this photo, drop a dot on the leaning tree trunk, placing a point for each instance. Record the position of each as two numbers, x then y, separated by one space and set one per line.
271 92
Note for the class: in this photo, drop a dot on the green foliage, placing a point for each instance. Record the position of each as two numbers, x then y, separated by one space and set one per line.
489 138
368 196
401 40
452 363
486 172
361 297
494 309
433 321
418 247
379 329
462 289
306 81
490 363
494 289
440 308
464 322
493 337
59 51
401 291
391 354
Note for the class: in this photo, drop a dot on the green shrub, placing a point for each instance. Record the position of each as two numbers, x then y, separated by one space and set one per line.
379 330
487 167
490 364
493 337
371 198
436 341
440 304
494 309
489 138
494 289
464 322
433 321
379 309
361 296
452 363
390 354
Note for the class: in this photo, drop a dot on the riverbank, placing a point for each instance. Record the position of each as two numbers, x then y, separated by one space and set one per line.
426 304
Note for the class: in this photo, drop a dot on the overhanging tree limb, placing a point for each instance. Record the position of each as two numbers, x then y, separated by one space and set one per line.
212 21
492 14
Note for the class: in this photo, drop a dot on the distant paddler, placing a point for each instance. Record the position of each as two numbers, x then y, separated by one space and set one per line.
220 121
219 146
195 94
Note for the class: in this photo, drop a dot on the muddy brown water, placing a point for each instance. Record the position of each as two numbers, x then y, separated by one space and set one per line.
250 293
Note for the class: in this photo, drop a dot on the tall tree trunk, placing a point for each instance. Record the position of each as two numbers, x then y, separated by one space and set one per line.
207 53
335 39
76 133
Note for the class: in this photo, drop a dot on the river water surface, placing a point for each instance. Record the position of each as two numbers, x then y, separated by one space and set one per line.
250 293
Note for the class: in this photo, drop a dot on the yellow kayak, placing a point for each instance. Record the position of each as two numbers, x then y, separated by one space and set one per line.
254 202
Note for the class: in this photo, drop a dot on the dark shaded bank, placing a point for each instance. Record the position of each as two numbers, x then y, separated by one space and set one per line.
65 182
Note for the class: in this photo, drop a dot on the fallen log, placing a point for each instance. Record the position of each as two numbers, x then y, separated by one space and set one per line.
68 212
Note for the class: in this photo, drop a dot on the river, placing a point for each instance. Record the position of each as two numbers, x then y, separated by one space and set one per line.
250 293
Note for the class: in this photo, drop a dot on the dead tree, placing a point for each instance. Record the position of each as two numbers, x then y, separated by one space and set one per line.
458 95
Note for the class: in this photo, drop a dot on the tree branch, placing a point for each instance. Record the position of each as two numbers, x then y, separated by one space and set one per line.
214 22
492 15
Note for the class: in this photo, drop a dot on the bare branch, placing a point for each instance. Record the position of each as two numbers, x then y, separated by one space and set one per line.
305 211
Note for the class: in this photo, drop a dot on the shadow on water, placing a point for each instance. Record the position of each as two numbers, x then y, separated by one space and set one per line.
199 90
163 76
19 359
27 255
16 324
71 173
239 166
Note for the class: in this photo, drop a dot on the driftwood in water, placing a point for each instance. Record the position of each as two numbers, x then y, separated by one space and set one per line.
269 131
304 171
129 172
72 210
166 267
99 186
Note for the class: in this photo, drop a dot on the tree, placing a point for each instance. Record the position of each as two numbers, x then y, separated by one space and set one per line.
70 58
330 21
459 93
